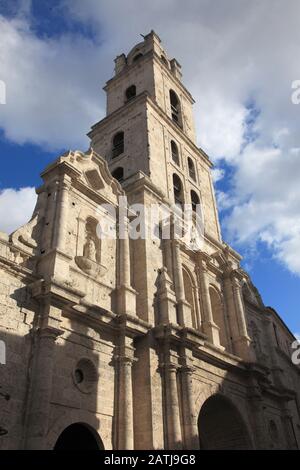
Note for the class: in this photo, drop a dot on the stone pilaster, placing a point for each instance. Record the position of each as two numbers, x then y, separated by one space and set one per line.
277 371
81 235
242 343
258 417
124 254
209 326
166 299
183 307
124 361
167 255
288 425
231 311
173 434
38 407
190 427
62 212
126 294
179 285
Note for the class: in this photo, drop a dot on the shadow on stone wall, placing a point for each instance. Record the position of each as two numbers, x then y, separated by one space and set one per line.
54 386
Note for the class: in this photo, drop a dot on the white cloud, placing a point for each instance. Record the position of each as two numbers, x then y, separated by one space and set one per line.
265 202
16 208
217 174
51 87
232 53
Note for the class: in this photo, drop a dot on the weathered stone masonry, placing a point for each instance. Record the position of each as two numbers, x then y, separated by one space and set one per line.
137 344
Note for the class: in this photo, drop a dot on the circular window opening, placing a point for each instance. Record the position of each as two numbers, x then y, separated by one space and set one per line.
85 375
79 377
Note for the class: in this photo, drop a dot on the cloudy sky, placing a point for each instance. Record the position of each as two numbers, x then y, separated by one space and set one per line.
239 60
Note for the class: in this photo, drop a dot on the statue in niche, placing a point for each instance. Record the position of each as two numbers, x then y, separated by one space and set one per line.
89 250
90 261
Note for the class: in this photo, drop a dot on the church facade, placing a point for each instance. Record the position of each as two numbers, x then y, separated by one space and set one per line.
145 343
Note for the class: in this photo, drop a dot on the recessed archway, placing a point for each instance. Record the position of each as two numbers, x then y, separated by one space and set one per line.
79 436
221 426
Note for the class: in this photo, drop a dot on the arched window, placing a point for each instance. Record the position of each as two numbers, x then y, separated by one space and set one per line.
175 107
195 200
118 174
130 92
118 144
178 193
137 57
192 171
174 151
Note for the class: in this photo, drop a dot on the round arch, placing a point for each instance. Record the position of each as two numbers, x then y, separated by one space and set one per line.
221 425
79 436
82 417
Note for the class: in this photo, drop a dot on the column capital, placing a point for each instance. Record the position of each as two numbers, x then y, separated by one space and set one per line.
236 283
202 256
125 360
228 270
169 366
124 352
49 332
64 183
203 266
187 369
237 277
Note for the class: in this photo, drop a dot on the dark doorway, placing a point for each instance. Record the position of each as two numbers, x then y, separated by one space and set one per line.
221 426
79 436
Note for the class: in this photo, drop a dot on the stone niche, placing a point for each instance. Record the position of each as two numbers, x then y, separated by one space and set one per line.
90 260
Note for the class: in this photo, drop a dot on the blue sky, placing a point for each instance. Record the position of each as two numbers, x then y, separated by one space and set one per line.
56 56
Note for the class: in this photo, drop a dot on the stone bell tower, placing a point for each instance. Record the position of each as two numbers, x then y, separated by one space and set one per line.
149 129
138 343
148 140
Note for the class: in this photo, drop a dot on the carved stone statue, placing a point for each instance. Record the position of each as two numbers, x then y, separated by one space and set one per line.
89 250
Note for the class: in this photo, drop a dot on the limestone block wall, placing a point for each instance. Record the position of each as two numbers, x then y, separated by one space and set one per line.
148 396
16 318
209 380
140 75
164 82
147 259
131 121
96 401
163 167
